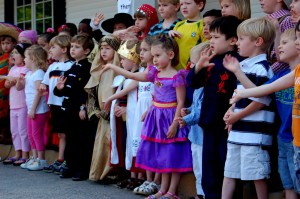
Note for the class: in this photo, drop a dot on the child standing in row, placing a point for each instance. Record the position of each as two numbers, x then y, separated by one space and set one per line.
70 86
188 32
246 157
36 61
59 51
168 11
18 109
161 134
218 84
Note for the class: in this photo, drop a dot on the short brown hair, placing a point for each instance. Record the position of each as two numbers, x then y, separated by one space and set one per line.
201 1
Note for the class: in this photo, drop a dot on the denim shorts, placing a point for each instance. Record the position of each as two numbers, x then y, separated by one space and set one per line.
247 162
297 168
286 167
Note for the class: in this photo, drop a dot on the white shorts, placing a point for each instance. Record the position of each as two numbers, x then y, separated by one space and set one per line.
247 162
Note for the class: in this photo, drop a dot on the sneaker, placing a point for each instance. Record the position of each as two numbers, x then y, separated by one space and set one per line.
137 189
62 168
27 163
37 165
53 168
151 188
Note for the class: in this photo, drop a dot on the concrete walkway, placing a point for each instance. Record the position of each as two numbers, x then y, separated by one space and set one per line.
17 183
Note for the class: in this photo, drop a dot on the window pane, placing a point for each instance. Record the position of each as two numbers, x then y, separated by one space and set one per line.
27 2
39 11
48 23
38 1
27 26
21 25
40 26
20 14
19 2
27 13
48 9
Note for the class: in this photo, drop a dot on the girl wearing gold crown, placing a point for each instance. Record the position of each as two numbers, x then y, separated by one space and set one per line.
129 52
99 89
164 148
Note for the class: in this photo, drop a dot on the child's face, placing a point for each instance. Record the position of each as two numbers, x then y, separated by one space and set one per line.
287 48
43 43
28 61
207 21
77 52
161 57
228 8
106 52
7 45
297 42
246 46
166 9
24 40
18 59
119 26
145 54
56 52
295 10
190 9
219 44
127 64
268 6
141 23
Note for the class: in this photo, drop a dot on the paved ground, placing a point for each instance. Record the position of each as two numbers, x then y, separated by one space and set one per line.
17 183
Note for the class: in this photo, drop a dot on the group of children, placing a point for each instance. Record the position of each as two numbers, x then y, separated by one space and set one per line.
155 98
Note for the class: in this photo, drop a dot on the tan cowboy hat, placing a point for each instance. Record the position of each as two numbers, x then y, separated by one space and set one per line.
10 30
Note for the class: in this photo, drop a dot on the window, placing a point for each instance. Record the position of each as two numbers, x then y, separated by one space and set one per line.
34 14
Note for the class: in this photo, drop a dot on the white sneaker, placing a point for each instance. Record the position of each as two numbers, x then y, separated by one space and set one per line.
37 165
27 163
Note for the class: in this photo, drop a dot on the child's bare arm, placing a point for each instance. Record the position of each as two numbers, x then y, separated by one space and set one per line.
36 101
20 85
139 76
266 89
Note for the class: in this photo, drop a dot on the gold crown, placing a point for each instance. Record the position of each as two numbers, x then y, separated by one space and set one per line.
130 54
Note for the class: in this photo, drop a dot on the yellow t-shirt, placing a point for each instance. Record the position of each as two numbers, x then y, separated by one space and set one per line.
191 35
296 108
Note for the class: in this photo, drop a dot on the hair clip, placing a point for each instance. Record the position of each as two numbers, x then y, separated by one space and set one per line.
50 30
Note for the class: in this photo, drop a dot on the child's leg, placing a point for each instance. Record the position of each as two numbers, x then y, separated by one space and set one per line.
16 139
175 179
22 127
149 176
197 166
38 124
261 189
228 188
62 146
157 178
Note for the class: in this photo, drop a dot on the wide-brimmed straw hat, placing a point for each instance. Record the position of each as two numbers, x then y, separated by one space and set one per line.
124 18
10 30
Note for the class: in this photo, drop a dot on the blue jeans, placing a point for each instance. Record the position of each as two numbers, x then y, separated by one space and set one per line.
286 167
297 168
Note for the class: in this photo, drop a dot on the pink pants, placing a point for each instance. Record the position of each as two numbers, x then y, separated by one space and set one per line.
18 128
36 131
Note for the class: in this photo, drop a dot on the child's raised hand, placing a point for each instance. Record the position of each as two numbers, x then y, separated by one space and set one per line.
184 112
98 18
204 60
231 63
172 130
61 82
174 33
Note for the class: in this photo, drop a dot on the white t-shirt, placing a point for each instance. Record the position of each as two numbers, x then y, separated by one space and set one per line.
54 71
31 90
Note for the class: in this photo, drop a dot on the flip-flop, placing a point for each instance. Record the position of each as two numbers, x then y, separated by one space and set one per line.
19 162
10 160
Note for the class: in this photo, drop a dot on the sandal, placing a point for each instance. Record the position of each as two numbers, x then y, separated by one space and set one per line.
10 160
137 190
154 195
169 195
151 188
19 162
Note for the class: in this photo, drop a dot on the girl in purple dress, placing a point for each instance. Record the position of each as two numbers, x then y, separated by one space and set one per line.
164 148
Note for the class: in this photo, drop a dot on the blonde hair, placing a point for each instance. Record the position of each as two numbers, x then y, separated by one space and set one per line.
38 55
196 50
243 7
258 27
63 41
289 33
